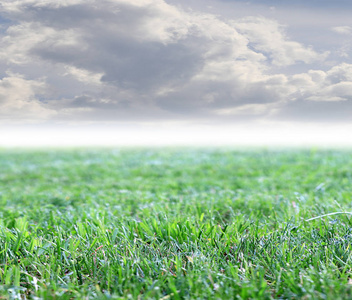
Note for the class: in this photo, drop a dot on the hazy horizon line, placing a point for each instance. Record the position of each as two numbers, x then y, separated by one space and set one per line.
286 135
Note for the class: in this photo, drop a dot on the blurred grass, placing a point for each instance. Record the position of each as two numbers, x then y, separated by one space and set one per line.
175 224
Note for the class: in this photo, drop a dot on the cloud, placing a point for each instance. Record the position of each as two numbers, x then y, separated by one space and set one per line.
319 96
332 85
346 30
18 100
268 36
146 60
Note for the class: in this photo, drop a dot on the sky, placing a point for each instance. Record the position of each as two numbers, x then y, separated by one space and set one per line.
175 71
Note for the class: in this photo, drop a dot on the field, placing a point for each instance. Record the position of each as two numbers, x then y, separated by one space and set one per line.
175 224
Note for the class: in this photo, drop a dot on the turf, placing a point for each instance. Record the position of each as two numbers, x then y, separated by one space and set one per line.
175 224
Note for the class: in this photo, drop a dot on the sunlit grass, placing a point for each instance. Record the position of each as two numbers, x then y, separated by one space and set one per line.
175 224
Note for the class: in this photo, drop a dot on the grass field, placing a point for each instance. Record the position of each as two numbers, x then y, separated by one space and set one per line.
175 224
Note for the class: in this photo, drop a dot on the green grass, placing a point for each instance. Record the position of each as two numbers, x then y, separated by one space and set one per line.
175 224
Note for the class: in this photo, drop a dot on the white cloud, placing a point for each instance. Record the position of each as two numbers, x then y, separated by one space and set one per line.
340 73
268 36
19 6
342 29
21 39
316 85
83 75
18 100
247 109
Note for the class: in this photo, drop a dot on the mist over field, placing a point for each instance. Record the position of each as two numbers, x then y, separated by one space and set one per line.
321 136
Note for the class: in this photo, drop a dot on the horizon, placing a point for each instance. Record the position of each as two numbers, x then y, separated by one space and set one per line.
306 136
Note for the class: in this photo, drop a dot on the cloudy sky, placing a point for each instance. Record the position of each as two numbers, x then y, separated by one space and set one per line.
188 63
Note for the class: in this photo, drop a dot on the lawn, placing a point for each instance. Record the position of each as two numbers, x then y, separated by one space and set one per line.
175 224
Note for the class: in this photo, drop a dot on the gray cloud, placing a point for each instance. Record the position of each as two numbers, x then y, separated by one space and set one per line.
318 111
318 4
148 60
